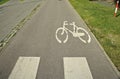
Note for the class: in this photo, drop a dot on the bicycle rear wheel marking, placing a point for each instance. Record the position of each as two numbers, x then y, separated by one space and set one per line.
65 32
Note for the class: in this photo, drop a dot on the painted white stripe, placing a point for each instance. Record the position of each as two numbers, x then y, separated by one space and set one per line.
76 68
25 68
115 10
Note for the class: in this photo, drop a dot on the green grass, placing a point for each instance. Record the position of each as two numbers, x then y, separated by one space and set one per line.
21 0
103 24
3 1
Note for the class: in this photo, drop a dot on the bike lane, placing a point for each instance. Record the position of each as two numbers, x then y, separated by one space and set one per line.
38 39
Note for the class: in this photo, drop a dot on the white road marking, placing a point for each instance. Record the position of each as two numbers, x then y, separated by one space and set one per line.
76 68
77 32
25 68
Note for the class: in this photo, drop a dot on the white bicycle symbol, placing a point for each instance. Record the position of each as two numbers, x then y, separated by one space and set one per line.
79 32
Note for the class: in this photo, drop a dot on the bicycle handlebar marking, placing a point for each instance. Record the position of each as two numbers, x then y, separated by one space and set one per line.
64 31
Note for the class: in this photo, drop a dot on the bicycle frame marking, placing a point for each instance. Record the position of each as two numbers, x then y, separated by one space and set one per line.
75 32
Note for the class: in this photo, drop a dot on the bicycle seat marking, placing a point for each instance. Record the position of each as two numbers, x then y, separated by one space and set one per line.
79 32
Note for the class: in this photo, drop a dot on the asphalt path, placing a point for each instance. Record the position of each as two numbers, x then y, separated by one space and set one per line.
12 13
35 49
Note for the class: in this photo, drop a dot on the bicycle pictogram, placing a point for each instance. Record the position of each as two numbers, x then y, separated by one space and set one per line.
79 32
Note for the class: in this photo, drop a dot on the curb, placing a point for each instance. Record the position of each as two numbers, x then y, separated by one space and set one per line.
18 27
107 57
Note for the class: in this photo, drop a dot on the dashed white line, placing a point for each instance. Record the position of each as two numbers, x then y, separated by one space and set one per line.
25 68
76 68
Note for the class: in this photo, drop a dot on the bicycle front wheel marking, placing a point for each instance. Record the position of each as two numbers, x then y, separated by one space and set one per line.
86 38
61 35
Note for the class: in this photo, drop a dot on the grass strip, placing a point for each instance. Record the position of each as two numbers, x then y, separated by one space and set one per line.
6 40
103 24
3 1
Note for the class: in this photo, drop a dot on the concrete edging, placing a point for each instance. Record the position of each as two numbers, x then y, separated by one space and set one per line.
109 60
18 27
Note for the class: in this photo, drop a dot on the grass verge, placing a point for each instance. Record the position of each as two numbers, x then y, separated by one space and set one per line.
21 0
3 1
103 24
